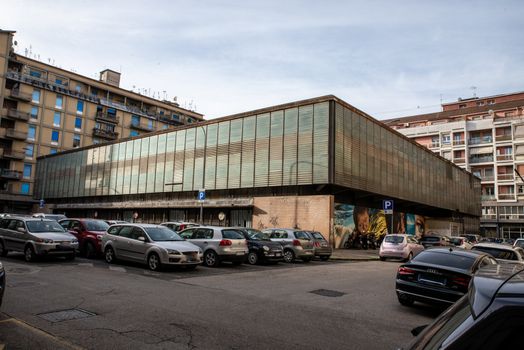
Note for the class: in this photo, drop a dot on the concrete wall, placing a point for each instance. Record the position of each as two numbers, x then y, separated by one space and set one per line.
311 213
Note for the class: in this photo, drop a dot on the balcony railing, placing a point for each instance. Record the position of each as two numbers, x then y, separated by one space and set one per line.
459 160
19 95
488 197
15 114
489 216
111 135
9 153
434 145
505 177
14 134
458 142
487 177
141 127
170 120
106 117
485 159
10 174
504 157
506 196
480 140
499 138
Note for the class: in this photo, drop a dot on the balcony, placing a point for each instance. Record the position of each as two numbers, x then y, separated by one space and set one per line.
110 135
10 174
480 140
487 178
504 157
488 197
9 153
505 177
18 95
459 142
459 160
16 135
141 127
15 114
170 120
506 196
500 138
485 159
434 145
106 117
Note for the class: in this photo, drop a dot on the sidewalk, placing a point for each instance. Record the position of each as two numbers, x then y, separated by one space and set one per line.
355 254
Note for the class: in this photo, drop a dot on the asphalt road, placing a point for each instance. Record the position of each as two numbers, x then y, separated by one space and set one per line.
231 307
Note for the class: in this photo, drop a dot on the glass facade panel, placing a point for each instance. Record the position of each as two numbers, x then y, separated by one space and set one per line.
262 151
143 165
135 166
170 161
160 163
222 165
198 180
151 164
235 150
290 146
248 152
211 156
305 145
178 175
189 160
276 148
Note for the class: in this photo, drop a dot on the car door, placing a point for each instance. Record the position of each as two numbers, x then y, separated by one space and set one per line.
5 234
75 228
17 238
203 237
136 247
121 242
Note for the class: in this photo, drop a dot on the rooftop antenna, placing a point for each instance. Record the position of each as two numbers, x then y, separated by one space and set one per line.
474 89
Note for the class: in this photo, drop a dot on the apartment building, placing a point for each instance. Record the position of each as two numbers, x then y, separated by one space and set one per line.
484 135
45 110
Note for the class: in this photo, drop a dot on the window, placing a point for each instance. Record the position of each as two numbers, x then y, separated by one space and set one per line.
135 120
79 107
27 171
34 112
58 81
76 140
175 117
29 149
56 119
462 105
53 151
25 188
133 133
35 73
59 101
54 136
36 96
78 88
78 123
446 139
150 123
31 132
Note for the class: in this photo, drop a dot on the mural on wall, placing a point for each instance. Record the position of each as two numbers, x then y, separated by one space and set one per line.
354 222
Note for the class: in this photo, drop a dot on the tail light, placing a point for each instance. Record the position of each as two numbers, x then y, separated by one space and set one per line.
296 243
405 271
317 244
225 242
461 281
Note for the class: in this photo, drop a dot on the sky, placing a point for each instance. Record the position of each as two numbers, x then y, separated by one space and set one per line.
388 58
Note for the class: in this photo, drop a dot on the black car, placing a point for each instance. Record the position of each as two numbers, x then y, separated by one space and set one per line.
439 275
2 282
490 316
261 248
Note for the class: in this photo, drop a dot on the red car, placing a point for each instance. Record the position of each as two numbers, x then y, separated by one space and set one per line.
89 233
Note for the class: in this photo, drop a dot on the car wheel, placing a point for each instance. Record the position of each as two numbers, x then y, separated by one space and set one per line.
410 256
210 258
89 250
405 300
29 253
289 256
252 258
325 257
3 251
109 255
153 262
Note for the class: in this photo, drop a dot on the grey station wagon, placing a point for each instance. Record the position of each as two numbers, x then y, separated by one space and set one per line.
36 237
297 243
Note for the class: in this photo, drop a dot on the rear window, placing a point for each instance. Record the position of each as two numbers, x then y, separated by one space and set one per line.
96 225
456 241
232 234
318 235
445 259
430 239
302 235
394 239
498 253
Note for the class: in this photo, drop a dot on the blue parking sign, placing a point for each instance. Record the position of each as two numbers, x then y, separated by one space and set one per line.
201 195
42 203
387 205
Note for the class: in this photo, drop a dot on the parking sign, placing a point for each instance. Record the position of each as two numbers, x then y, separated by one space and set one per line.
201 195
387 205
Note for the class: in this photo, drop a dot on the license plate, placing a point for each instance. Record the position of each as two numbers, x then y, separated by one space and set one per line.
66 243
432 279
324 245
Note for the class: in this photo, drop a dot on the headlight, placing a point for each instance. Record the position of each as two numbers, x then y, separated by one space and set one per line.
172 251
74 241
266 248
48 241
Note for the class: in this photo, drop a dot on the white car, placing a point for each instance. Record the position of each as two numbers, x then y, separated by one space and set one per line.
502 252
400 246
461 242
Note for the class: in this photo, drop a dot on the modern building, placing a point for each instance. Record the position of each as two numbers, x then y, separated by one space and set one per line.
316 164
45 109
484 135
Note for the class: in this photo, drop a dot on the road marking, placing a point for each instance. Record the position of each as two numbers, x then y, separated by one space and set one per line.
116 268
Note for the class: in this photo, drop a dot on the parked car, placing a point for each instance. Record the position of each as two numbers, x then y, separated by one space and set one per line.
89 233
261 248
490 316
36 237
297 244
399 245
178 226
434 241
472 239
153 245
2 282
501 252
113 222
321 246
519 242
461 242
55 217
439 275
218 244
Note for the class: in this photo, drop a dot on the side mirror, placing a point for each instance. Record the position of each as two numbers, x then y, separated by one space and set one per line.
20 229
142 239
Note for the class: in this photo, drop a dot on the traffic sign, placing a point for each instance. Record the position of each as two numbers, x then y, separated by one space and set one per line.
387 205
201 194
42 203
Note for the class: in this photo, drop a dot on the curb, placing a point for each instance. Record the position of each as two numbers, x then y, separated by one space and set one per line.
369 258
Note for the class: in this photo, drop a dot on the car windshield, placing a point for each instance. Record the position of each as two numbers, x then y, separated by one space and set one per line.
96 225
302 235
317 235
162 234
232 234
456 241
44 226
497 253
257 235
444 259
394 239
519 243
430 239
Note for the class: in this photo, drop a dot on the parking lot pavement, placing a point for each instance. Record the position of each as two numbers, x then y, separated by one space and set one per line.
355 254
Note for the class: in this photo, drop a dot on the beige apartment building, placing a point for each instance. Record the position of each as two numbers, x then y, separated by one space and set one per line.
45 110
484 135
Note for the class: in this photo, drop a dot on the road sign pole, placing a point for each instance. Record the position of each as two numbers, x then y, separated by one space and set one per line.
392 222
201 198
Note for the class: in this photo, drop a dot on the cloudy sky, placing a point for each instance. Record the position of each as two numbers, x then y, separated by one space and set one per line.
388 58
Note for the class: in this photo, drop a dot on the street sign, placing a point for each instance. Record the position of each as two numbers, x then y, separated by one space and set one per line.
42 203
387 205
201 194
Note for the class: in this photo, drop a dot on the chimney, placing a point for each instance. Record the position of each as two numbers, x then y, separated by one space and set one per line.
110 77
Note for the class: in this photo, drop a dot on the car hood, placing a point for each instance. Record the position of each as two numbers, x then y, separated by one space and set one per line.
181 246
55 236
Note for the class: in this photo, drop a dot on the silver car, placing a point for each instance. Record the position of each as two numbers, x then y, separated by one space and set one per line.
321 246
36 237
400 246
218 243
297 243
154 245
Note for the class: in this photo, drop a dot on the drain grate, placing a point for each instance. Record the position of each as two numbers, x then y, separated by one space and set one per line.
327 293
66 315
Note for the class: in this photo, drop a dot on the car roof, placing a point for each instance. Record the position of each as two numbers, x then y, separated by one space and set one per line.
491 281
456 251
495 246
136 224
